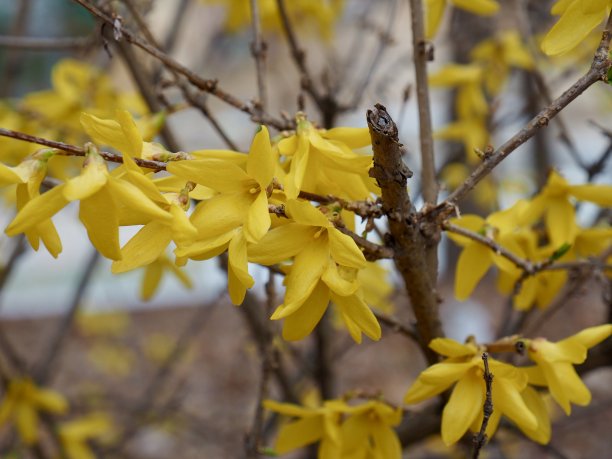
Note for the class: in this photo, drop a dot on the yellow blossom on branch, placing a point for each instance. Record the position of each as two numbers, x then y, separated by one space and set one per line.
22 403
555 364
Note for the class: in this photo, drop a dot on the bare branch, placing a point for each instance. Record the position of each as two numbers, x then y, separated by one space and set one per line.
480 438
44 43
258 49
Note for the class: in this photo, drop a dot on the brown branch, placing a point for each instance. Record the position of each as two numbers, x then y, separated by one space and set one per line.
480 438
44 43
258 49
269 360
72 150
408 241
597 72
365 209
209 86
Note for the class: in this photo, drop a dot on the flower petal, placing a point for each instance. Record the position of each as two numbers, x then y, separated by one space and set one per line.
463 406
99 217
261 162
359 312
301 323
474 262
344 250
258 220
144 248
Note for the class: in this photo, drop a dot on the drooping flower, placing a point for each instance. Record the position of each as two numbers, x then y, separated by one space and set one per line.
237 215
22 403
578 19
464 369
555 362
74 435
324 162
325 264
100 195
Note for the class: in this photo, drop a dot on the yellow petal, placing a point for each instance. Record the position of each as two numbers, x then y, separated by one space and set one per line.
93 177
352 137
282 243
99 217
451 348
151 280
420 391
206 248
238 271
359 312
463 406
508 401
130 196
261 162
301 323
474 262
299 433
38 210
561 222
50 400
590 337
222 176
445 372
131 134
599 194
220 214
387 443
182 228
337 283
144 248
481 7
344 250
306 214
258 220
533 400
26 420
573 27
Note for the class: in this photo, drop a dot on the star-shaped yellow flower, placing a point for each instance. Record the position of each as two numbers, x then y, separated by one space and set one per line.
555 365
464 369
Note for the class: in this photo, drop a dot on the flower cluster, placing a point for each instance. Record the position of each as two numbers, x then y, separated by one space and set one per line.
512 393
342 430
518 230
235 194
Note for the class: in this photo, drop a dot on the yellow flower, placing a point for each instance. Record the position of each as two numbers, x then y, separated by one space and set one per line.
21 404
435 10
153 275
324 162
553 202
321 424
321 13
325 264
578 19
28 176
100 195
75 435
368 431
464 369
237 215
555 365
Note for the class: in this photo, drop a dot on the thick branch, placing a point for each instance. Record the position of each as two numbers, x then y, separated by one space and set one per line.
408 242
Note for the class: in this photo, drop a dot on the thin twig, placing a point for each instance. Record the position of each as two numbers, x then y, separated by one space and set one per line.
73 150
269 360
210 86
597 72
480 438
44 43
258 49
396 325
422 53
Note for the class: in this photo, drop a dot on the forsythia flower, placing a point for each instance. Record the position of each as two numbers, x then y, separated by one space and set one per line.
325 266
28 176
553 202
578 19
21 404
237 215
100 195
323 162
555 364
343 431
464 368
75 435
435 10
153 275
